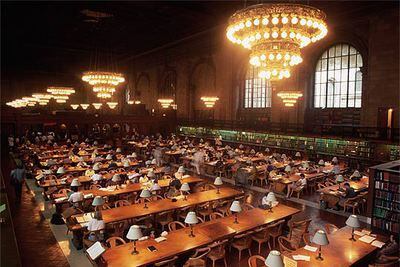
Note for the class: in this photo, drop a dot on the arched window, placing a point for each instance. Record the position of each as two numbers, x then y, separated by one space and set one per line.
257 91
338 78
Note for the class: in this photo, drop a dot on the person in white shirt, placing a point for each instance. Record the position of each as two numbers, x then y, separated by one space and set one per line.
198 160
75 197
301 183
96 225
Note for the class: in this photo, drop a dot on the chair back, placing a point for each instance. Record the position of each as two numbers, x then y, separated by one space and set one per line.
167 262
255 259
121 203
115 241
330 228
175 225
215 215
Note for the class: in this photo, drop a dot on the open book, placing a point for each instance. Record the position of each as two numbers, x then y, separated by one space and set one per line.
95 250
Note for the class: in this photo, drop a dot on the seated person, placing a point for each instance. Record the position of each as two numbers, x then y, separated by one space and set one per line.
175 182
96 226
112 165
347 192
301 183
75 197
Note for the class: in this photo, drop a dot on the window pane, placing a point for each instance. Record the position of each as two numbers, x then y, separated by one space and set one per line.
338 75
257 92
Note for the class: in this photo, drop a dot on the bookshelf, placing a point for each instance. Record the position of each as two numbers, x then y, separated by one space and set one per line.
348 149
384 200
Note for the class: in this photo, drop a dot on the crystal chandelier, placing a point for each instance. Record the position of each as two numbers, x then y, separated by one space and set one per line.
104 83
60 90
31 101
289 98
97 105
275 34
209 101
85 106
165 102
112 105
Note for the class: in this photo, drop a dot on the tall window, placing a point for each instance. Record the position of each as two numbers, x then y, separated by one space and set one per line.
257 91
338 78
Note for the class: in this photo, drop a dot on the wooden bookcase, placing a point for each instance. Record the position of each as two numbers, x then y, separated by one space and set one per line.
384 196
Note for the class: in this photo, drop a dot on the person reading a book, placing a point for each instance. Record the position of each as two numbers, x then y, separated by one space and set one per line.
389 252
298 185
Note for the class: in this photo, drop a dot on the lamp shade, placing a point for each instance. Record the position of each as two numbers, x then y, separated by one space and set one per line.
266 150
134 233
126 164
356 173
353 221
288 168
96 167
185 187
145 193
334 160
61 170
321 162
271 197
306 165
116 178
191 218
119 150
75 182
218 181
235 207
155 187
320 238
98 201
339 178
298 154
274 259
108 157
181 169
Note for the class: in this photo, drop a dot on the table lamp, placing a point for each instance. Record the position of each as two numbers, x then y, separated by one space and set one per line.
298 155
235 207
134 234
321 162
218 182
274 259
339 179
75 182
288 169
191 219
145 194
185 188
155 187
271 198
353 222
98 201
320 238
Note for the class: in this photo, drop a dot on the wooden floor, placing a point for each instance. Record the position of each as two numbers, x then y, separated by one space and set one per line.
38 247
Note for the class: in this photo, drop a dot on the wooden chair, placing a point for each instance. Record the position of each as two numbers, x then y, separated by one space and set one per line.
297 229
197 259
106 206
330 228
156 197
217 252
115 241
298 191
205 210
352 203
64 191
261 237
164 218
242 242
87 242
94 186
263 178
285 245
216 215
320 186
116 228
223 207
122 203
253 261
166 263
183 212
252 178
175 225
392 261
307 237
209 187
275 230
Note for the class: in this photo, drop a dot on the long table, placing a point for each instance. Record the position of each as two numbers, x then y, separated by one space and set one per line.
340 252
126 190
179 242
331 194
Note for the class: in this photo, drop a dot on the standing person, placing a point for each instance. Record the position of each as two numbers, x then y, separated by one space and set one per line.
18 176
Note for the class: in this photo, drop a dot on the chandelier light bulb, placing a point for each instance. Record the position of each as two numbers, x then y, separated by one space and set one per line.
84 106
97 105
292 27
